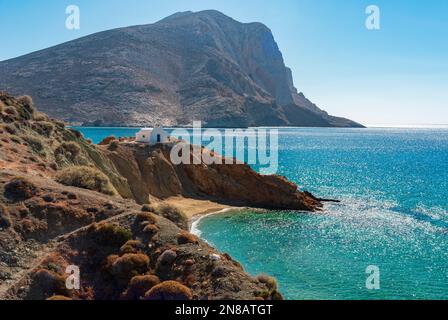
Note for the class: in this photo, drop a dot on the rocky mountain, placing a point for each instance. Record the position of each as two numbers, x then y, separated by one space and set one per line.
189 66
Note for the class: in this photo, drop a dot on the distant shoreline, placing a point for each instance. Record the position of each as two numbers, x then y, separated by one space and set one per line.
372 126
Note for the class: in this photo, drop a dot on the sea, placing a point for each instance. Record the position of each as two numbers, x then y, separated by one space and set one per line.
386 239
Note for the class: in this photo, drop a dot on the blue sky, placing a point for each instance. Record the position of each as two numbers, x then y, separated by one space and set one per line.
395 75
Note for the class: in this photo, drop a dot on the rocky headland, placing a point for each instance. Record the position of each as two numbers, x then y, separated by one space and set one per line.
108 209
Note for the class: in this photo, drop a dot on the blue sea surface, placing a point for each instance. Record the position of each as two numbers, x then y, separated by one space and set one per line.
393 184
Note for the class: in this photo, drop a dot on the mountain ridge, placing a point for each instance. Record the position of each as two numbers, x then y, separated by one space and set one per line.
188 66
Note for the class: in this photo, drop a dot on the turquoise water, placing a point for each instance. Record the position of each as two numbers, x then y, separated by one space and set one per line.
393 184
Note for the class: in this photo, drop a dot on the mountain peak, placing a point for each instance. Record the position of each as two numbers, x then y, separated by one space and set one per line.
189 66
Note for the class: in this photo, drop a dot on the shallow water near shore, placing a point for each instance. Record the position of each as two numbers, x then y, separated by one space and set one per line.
393 184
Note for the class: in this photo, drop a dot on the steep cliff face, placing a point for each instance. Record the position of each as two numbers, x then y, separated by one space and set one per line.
190 66
235 184
34 143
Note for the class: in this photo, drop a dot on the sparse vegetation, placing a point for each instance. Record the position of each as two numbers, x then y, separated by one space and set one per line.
5 220
139 285
169 290
10 128
107 234
25 107
186 237
113 146
15 139
132 246
48 283
106 141
20 189
59 298
36 144
86 178
44 128
128 266
67 150
269 281
173 214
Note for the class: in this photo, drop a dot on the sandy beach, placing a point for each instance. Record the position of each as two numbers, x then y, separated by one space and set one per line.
194 208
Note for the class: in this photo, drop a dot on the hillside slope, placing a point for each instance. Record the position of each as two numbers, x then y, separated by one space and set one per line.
65 201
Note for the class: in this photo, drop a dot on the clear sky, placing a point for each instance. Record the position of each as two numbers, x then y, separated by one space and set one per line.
395 75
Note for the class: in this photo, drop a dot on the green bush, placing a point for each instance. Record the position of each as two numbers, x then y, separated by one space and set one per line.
86 178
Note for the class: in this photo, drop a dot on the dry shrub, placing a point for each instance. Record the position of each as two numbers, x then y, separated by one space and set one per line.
144 218
132 246
26 107
185 237
76 133
36 144
169 290
271 283
139 285
147 208
32 228
106 234
10 128
107 141
19 189
44 128
113 146
151 230
5 220
15 139
40 116
173 214
59 298
86 178
68 150
48 283
10 111
128 266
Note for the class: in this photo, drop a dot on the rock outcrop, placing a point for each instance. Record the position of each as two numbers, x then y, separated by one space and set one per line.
191 66
51 216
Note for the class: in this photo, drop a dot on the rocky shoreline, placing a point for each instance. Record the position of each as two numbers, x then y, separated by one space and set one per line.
121 213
